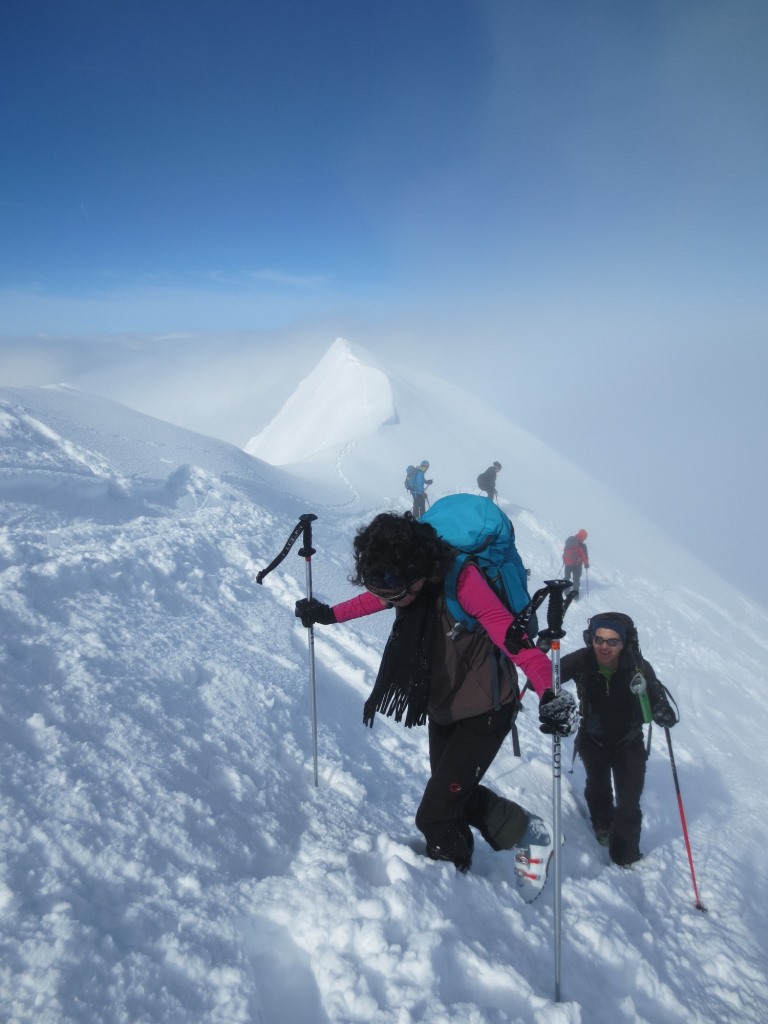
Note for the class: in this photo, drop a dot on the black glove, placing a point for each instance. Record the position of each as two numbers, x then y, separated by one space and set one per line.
663 713
558 715
429 482
310 611
515 639
369 711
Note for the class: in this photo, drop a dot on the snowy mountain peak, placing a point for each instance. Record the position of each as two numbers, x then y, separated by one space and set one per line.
342 400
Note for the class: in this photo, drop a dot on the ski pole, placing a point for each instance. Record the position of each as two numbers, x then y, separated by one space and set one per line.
699 904
304 526
554 633
306 551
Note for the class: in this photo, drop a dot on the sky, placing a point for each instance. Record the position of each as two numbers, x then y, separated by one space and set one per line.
563 204
165 854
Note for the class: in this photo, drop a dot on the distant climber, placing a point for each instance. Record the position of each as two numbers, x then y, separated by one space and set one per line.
487 481
575 557
416 484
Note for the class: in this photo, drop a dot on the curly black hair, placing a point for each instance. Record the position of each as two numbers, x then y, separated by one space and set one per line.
395 549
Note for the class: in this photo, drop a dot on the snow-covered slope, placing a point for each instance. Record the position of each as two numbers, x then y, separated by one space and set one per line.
164 854
408 417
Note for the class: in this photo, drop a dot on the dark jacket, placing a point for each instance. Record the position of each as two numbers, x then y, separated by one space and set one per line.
487 480
611 713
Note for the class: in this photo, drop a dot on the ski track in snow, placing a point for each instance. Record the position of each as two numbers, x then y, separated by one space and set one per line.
166 857
355 497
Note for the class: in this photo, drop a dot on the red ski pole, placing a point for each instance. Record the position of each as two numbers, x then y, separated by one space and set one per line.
699 904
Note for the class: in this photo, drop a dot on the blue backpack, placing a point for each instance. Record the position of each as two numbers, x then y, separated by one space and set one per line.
481 533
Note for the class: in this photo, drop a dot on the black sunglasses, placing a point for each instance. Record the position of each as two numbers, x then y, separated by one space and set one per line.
598 641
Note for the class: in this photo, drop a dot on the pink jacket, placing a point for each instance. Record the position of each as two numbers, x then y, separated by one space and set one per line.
478 599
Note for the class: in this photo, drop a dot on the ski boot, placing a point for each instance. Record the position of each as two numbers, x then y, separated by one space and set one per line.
533 854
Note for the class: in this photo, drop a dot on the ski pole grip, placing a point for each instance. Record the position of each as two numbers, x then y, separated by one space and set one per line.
555 610
306 550
304 525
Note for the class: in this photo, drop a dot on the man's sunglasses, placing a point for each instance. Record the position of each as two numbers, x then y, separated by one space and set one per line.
598 641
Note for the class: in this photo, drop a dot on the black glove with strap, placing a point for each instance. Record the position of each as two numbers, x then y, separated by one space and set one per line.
515 639
558 714
310 611
663 713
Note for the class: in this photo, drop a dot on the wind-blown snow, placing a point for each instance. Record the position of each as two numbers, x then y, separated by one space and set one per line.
165 856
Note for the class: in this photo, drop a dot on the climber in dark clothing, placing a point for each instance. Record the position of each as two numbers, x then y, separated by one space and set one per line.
486 481
610 738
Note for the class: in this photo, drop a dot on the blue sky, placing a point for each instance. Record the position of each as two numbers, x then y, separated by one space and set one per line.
252 161
265 154
561 205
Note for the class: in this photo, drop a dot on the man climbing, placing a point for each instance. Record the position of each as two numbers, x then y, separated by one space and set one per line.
417 485
610 738
487 481
575 557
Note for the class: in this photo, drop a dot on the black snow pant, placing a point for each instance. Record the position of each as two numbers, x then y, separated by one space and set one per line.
459 756
419 505
574 572
616 808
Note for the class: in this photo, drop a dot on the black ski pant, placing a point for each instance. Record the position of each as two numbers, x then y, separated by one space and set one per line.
615 780
419 505
459 756
574 572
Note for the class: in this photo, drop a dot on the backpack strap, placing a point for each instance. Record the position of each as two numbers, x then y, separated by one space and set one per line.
496 681
461 619
515 737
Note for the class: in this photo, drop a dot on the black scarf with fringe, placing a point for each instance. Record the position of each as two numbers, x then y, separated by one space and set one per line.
402 684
